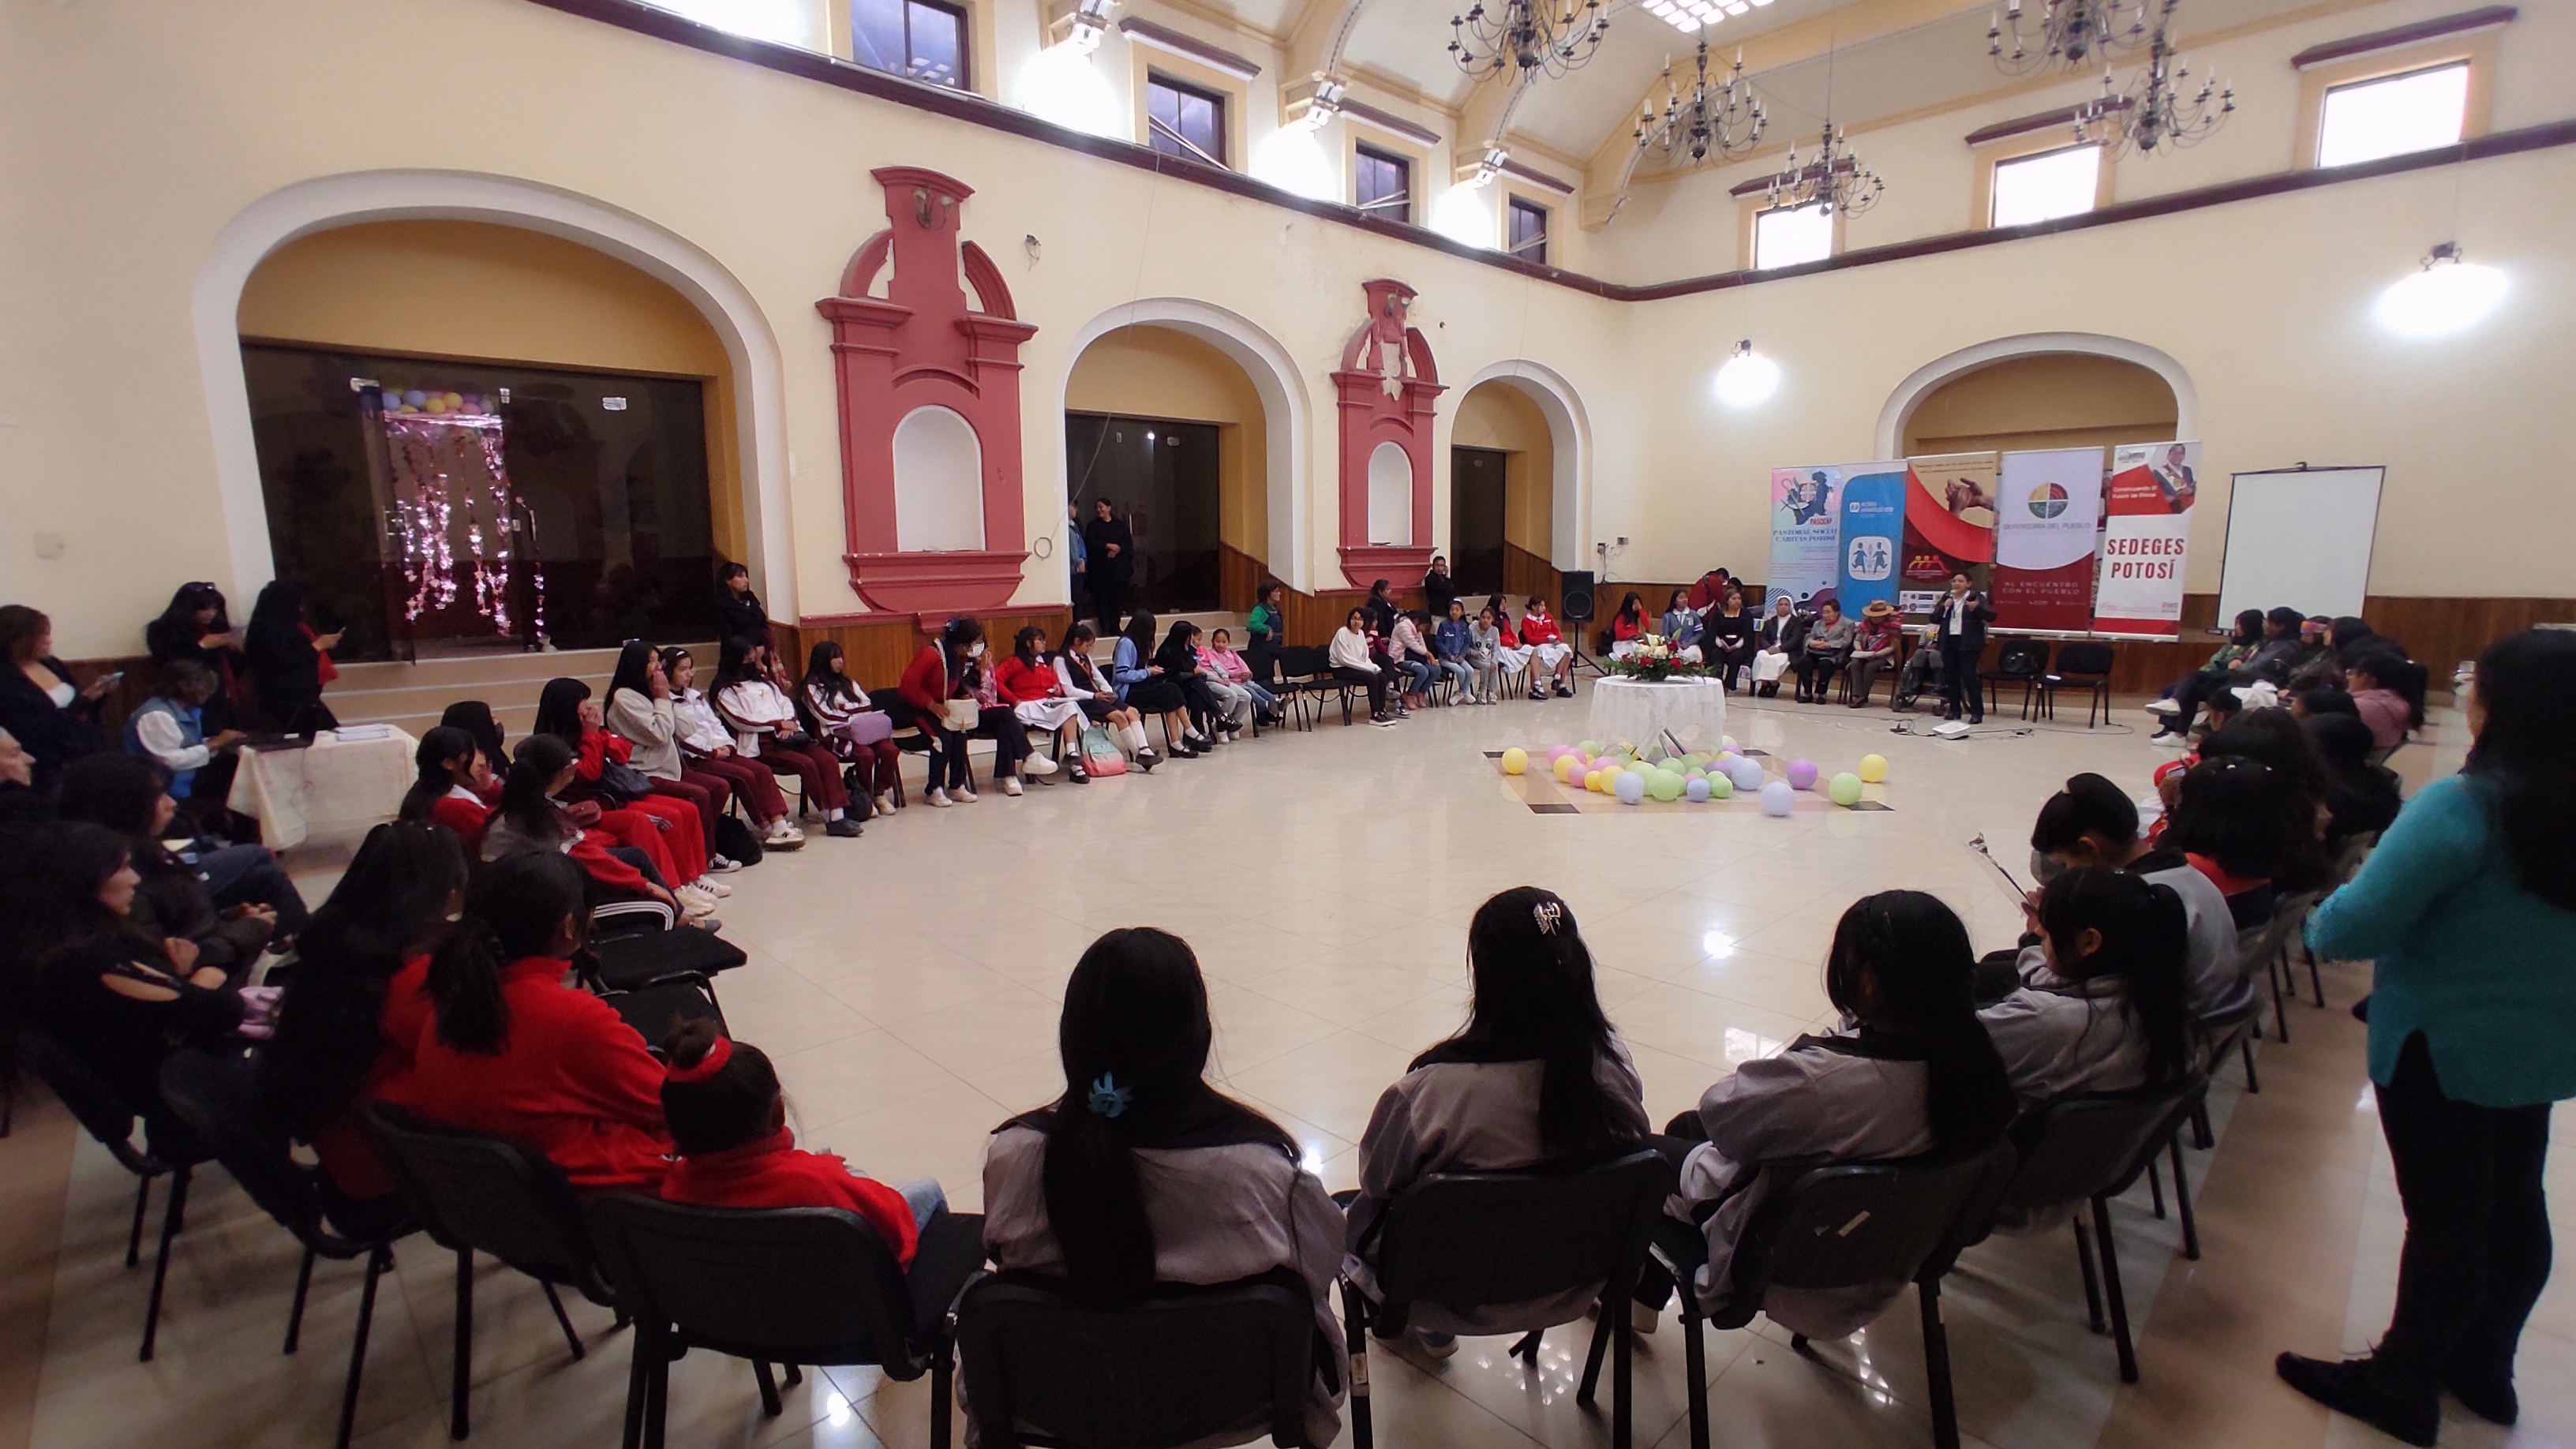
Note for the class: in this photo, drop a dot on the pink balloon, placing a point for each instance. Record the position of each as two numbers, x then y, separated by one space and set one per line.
1802 774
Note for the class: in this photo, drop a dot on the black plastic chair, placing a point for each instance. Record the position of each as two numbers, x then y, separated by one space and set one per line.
2269 946
790 1286
1179 1366
1469 1240
1307 679
2083 664
2017 661
483 1194
1842 1225
220 1100
2094 1146
169 1151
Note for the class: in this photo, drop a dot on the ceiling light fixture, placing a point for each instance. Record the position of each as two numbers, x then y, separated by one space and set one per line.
1835 179
1530 37
1318 109
2447 294
2070 34
1726 117
2152 117
1692 16
1748 378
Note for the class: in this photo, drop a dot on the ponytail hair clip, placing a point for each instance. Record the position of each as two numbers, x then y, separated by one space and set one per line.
1549 915
1108 1099
704 1067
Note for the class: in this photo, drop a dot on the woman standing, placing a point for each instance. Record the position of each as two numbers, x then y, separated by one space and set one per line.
197 627
2468 911
739 612
55 719
290 661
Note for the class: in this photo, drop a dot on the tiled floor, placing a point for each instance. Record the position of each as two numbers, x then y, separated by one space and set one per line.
907 985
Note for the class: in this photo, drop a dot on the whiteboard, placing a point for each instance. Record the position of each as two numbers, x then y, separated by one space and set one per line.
2299 537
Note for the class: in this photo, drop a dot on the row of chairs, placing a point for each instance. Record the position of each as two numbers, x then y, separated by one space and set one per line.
797 1287
2081 665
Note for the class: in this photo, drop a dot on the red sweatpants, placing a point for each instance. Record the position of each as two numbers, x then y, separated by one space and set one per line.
814 765
749 781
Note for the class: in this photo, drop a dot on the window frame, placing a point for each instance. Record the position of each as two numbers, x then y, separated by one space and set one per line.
1363 152
2325 98
1758 207
1220 99
2478 49
1515 203
963 12
1992 165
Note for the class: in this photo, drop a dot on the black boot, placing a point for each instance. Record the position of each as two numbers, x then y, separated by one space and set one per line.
2360 1388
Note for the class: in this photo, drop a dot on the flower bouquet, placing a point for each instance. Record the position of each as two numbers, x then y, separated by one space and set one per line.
1653 657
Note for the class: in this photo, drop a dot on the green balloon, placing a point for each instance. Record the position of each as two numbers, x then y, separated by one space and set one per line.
1590 747
1845 789
1719 787
1665 786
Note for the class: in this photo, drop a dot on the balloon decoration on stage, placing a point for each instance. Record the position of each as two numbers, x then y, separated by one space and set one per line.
464 532
1663 774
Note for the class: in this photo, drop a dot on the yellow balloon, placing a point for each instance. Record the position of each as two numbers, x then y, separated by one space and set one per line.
1565 768
1515 760
1873 768
1592 781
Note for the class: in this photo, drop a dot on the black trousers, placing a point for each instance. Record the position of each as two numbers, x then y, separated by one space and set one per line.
1960 686
2477 1227
1815 674
1374 683
2194 692
1109 604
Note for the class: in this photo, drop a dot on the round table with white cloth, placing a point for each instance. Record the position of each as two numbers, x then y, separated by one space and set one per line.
343 784
1640 711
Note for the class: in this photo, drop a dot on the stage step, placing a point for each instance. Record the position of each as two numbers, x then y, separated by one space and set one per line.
411 696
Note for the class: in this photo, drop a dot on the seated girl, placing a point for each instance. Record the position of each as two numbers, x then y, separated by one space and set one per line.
751 699
2093 823
1146 687
1511 654
1086 686
850 725
531 820
2242 824
125 795
1537 1075
1628 625
641 711
665 828
1912 1073
938 687
352 1011
1450 639
706 745
728 1119
1178 658
1413 659
454 788
1027 685
1682 624
2361 798
509 1050
1552 655
2388 692
475 718
1483 657
2116 1012
1224 669
1352 665
1142 1174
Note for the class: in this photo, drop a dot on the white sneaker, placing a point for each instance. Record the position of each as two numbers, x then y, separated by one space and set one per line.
695 906
715 888
885 803
938 797
780 830
1039 765
964 794
1011 785
2163 706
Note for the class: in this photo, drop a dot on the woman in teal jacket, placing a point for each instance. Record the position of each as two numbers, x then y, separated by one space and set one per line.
2468 911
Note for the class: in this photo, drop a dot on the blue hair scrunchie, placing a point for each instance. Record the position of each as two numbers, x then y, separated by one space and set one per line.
1108 1099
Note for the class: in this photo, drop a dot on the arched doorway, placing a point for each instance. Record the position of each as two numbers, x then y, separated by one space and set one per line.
1519 452
2063 400
1174 432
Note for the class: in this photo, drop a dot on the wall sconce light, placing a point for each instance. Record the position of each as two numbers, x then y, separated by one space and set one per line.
2448 294
1748 378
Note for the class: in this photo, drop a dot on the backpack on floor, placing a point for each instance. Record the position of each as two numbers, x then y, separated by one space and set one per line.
735 841
1100 754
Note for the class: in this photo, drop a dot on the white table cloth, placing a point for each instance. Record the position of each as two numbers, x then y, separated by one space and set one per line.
1640 711
332 788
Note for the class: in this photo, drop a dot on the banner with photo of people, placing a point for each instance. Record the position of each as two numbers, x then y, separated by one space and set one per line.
1949 526
1806 536
2048 510
2146 528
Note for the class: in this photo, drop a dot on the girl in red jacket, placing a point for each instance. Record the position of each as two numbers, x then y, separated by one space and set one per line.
455 788
665 827
729 1121
510 1051
1028 685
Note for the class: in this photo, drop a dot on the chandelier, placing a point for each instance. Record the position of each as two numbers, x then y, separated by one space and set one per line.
1530 36
2070 33
2153 116
1835 179
1726 117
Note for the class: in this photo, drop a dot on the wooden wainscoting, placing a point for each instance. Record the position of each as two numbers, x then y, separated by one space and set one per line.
877 650
1526 574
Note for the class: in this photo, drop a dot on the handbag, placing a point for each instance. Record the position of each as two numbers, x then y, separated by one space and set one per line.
1100 754
735 841
623 783
961 715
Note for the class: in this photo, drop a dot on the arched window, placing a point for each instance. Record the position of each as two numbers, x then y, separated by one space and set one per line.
1390 496
938 483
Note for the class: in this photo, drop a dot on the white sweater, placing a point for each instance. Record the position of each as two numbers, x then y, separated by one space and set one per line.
1350 651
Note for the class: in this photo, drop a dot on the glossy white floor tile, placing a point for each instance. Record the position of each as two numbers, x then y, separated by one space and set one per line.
907 983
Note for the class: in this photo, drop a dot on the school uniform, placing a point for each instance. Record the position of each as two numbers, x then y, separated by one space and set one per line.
650 728
2211 962
707 749
1219 1215
2072 1037
682 837
571 1080
763 719
773 1172
347 1158
839 713
465 815
1470 1117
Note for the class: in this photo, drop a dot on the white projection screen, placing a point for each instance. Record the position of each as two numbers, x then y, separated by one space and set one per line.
2301 537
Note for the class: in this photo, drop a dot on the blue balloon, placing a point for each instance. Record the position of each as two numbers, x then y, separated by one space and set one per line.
1747 774
1778 798
1697 790
1631 787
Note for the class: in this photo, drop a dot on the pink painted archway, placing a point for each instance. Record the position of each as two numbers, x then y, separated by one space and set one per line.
1388 384
921 345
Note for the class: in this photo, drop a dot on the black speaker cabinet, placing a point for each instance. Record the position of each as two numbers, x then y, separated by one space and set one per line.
1578 596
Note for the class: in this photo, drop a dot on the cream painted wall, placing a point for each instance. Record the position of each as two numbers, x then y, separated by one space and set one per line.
497 293
1496 415
2042 402
1155 372
151 127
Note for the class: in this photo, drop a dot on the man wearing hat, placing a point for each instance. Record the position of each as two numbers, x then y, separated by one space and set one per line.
1873 648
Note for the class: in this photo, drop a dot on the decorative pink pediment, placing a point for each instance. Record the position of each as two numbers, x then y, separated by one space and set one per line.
1387 385
923 345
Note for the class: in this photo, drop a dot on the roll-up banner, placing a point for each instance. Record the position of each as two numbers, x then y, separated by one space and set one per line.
2048 507
1806 533
2146 526
1949 526
1872 533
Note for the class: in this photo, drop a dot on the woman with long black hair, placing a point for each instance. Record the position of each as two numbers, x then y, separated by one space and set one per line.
1915 1073
1085 685
751 698
2116 1012
2467 912
509 1050
1536 1075
707 747
228 901
850 725
1141 1173
1178 658
1148 688
290 661
665 828
349 1020
198 627
639 711
531 821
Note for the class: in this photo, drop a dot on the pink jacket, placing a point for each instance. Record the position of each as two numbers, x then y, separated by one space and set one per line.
1226 663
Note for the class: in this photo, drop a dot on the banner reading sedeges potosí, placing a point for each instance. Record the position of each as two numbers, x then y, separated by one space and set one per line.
2146 527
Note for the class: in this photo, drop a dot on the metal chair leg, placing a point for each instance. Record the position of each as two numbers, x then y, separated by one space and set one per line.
639 1378
770 1407
1592 1358
2280 1018
2092 1284
1355 1338
2316 980
792 1378
564 1322
657 1396
1525 1348
2182 1205
172 1217
1936 1364
2111 1291
943 1395
2203 1137
2246 1045
134 1238
1623 1360
458 1425
378 1260
295 1314
2156 1189
1695 1365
